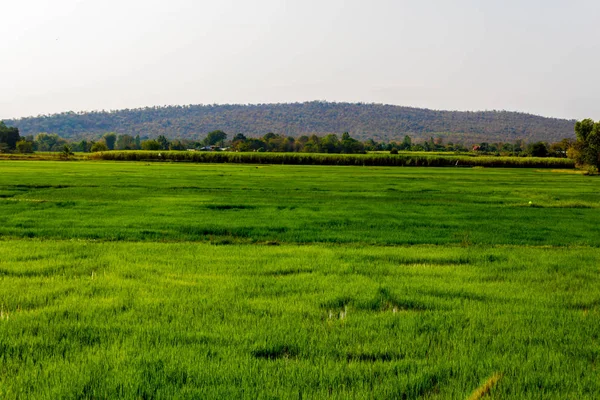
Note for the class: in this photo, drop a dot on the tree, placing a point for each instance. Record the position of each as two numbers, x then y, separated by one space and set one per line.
49 142
150 145
24 146
163 142
177 145
125 142
110 139
239 136
537 149
331 144
82 146
406 143
9 136
215 137
66 152
350 145
586 150
313 145
99 146
559 149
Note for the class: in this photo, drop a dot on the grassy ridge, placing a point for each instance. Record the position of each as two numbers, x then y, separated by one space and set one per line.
400 160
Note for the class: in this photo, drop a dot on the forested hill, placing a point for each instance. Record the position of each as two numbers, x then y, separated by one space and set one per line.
362 121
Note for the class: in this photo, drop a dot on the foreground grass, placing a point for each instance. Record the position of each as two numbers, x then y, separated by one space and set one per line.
158 280
183 320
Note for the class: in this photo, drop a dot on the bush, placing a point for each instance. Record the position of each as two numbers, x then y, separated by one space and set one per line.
151 145
99 146
24 146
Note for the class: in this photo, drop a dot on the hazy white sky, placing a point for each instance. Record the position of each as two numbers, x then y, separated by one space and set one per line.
537 56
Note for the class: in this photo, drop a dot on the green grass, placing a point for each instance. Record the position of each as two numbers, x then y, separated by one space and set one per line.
134 280
297 204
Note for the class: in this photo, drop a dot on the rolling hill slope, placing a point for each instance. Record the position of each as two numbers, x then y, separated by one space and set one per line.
363 121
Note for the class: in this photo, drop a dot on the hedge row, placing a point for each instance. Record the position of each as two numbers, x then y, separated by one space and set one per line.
336 159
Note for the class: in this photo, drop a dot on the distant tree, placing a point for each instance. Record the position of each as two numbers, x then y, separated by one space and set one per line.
163 142
66 152
138 142
24 146
586 150
99 146
49 142
274 142
537 149
484 147
151 145
289 144
9 136
559 149
300 142
177 145
519 146
268 137
313 145
239 136
82 146
406 143
256 144
350 145
241 145
125 142
215 137
369 144
110 139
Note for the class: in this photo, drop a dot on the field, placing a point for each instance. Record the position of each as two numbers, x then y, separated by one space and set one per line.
180 280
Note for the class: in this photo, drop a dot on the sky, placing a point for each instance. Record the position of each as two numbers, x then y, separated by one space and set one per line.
539 57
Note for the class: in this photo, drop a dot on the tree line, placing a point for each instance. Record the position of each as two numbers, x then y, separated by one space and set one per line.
584 150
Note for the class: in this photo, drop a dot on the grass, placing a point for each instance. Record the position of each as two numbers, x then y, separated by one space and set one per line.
128 280
296 204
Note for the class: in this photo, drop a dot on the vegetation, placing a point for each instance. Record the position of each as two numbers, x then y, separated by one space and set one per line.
586 150
9 137
272 142
362 121
172 280
404 159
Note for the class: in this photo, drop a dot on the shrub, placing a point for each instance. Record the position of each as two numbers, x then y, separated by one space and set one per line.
99 146
24 146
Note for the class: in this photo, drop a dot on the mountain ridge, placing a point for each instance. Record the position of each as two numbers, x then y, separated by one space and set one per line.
362 120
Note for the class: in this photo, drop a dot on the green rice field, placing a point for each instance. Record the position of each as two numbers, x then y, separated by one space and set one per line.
150 280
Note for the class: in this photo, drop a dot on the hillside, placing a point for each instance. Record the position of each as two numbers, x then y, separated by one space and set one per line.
363 121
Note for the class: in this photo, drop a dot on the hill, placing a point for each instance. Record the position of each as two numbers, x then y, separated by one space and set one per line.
362 121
